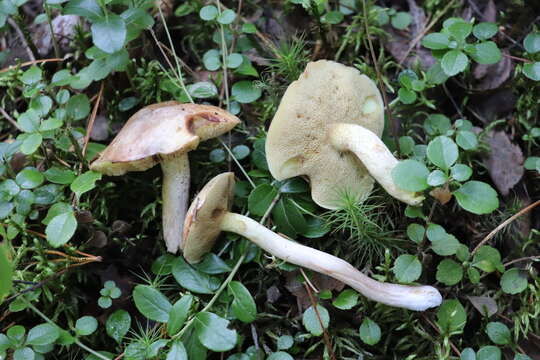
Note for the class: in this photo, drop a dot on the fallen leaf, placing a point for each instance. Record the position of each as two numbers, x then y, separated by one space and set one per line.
493 76
505 161
100 131
320 281
484 304
442 195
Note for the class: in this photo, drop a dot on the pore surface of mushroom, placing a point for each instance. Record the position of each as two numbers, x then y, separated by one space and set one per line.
209 214
328 127
164 133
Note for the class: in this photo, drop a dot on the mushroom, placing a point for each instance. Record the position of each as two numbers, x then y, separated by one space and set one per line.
209 214
328 127
164 133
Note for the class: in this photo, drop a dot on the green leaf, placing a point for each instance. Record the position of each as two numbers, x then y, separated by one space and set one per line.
451 317
477 197
212 264
436 41
209 12
212 60
118 324
202 90
498 333
249 28
279 355
78 107
442 152
489 353
407 268
59 175
193 279
532 70
532 42
487 53
437 124
152 303
89 9
460 30
288 218
43 334
449 272
109 33
436 178
213 333
454 62
446 246
285 342
234 60
6 272
487 259
370 332
86 325
24 353
514 281
260 199
468 354
245 91
31 143
32 75
311 320
179 314
407 96
532 163
29 178
332 17
401 20
226 17
61 228
467 140
416 232
50 124
243 305
177 351
41 104
346 300
460 172
485 30
410 175
85 182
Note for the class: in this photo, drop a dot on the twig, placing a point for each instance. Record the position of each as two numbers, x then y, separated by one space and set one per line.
91 121
238 163
527 258
504 223
315 290
393 122
9 119
326 338
454 347
27 44
28 63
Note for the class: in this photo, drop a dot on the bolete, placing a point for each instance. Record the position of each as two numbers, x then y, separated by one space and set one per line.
209 214
328 127
164 133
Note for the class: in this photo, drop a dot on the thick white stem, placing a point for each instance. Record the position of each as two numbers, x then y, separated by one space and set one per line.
175 194
417 298
375 156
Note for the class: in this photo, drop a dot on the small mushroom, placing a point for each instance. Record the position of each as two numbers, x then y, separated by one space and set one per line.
328 127
164 133
209 214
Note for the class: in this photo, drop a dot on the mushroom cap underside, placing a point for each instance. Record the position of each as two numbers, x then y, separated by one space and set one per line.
161 130
299 142
203 219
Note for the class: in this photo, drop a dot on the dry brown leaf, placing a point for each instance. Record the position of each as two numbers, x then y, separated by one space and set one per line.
442 195
493 76
505 161
320 281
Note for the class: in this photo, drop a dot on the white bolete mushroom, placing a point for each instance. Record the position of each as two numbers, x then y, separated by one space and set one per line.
209 214
164 133
328 127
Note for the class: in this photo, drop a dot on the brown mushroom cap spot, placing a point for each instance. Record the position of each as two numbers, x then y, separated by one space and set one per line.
160 130
203 219
299 143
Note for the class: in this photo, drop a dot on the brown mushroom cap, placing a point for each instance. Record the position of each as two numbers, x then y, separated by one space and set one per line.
160 130
202 224
299 142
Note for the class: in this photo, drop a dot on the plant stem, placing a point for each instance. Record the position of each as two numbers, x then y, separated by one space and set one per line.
47 319
238 163
53 37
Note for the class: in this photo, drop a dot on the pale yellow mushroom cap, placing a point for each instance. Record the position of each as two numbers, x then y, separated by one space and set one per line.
298 141
203 219
160 130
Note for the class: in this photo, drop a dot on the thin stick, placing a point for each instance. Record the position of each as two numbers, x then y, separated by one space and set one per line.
456 350
237 163
9 119
527 258
92 119
395 126
504 223
28 63
23 38
326 338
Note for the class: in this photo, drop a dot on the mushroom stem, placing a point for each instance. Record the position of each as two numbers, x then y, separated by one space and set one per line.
175 194
418 298
375 156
